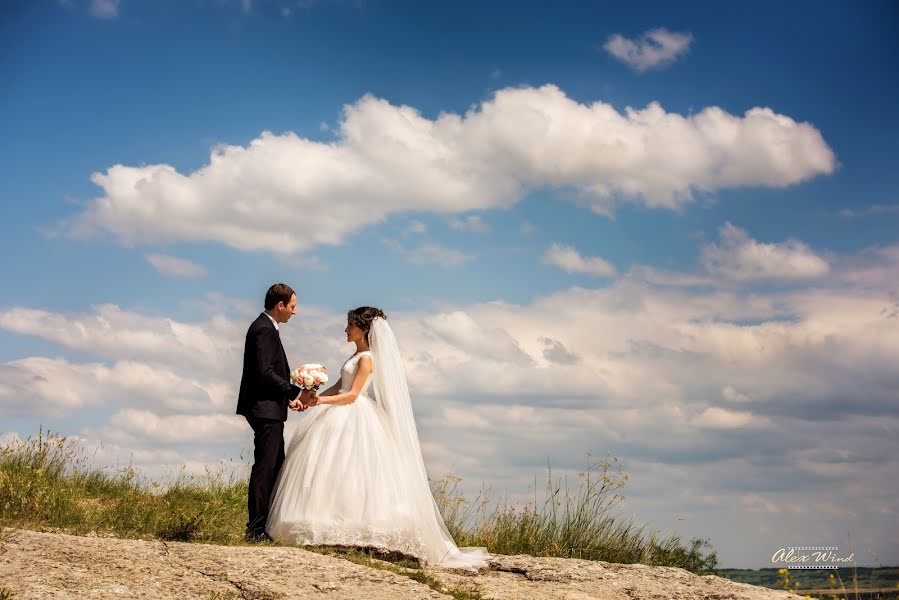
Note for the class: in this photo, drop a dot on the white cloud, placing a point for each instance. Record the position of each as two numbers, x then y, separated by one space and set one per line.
654 49
569 260
556 352
714 417
472 223
212 347
174 266
473 339
57 386
37 386
741 258
105 9
874 267
390 159
430 253
177 429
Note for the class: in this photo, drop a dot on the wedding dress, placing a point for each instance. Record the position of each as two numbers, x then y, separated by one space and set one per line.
354 475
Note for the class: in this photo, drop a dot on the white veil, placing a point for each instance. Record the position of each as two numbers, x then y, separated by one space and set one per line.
392 393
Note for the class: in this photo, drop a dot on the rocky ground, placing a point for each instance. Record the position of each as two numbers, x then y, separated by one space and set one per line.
53 565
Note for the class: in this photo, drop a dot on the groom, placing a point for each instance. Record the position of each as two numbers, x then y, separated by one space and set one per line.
266 393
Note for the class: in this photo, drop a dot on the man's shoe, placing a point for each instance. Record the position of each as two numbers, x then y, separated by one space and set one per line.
255 537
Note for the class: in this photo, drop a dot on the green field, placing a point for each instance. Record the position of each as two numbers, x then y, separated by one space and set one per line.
870 583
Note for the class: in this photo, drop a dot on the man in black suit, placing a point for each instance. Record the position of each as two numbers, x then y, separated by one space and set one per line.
266 393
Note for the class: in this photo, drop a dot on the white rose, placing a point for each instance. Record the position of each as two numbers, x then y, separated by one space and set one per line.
323 377
308 381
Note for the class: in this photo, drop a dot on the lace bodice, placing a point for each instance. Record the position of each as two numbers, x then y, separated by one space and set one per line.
348 373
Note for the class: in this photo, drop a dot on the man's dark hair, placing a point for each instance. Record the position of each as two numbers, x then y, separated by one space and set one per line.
280 292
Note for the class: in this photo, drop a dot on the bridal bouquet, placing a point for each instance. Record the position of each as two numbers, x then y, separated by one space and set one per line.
309 377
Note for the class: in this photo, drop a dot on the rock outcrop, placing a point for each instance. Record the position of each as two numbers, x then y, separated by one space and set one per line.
570 579
48 565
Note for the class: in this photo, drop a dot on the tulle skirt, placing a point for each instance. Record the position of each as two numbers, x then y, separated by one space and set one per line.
344 482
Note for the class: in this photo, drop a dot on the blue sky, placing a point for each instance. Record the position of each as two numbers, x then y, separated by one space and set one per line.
782 237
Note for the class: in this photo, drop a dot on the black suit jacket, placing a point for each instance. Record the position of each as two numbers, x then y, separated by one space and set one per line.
265 386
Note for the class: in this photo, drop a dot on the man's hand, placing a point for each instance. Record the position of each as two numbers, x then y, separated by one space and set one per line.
296 405
308 398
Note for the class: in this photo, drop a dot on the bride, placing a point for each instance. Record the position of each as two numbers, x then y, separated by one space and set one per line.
354 474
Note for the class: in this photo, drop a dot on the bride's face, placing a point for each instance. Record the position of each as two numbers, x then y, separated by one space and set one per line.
354 333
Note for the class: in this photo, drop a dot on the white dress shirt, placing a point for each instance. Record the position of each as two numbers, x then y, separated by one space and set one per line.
275 323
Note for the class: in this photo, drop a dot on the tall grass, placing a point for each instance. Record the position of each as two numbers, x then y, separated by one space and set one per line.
580 523
46 482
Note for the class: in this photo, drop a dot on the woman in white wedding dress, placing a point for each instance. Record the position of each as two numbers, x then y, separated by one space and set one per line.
354 474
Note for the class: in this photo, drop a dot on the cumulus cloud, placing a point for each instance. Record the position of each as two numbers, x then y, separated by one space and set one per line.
104 9
555 351
473 339
874 267
111 332
390 159
570 260
40 386
654 49
741 258
176 429
57 386
174 266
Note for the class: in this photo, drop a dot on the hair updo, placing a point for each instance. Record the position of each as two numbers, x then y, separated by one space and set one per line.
363 316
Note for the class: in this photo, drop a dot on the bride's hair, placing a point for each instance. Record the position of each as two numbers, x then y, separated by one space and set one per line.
363 316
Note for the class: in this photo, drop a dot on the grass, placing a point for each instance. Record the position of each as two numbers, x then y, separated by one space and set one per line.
580 523
836 587
47 483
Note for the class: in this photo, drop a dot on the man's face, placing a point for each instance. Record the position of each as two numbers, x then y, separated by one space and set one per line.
285 312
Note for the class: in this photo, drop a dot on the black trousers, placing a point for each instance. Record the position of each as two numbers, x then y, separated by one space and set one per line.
268 456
